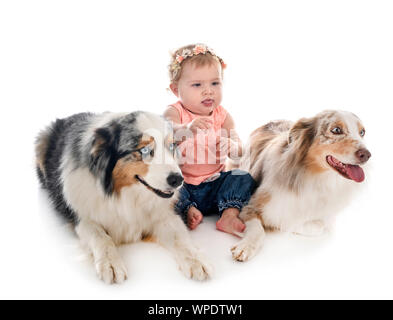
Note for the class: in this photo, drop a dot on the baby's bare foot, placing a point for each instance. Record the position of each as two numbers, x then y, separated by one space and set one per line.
230 223
194 218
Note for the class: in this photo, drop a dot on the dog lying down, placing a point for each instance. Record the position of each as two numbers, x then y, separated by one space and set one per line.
115 177
306 172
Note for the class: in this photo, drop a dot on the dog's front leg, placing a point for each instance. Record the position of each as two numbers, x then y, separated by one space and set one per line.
109 265
174 236
253 238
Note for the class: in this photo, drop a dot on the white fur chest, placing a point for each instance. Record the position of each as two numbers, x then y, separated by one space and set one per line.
318 199
125 217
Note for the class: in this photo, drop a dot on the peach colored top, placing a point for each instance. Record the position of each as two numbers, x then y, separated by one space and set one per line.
199 159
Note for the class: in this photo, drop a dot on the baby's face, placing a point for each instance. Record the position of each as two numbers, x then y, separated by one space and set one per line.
200 88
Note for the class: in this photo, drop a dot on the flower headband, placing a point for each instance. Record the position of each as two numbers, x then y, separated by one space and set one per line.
198 49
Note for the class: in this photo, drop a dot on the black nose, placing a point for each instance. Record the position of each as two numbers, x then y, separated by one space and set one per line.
174 179
363 155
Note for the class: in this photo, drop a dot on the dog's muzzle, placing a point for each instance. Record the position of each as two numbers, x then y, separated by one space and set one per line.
174 180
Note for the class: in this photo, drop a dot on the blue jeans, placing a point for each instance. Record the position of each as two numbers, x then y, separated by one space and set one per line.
232 189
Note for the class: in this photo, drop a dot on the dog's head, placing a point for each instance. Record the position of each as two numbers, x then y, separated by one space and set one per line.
331 141
137 148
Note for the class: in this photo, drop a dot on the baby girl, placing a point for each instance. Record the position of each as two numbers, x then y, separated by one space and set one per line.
206 136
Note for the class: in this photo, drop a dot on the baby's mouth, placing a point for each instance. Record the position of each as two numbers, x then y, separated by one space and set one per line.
208 102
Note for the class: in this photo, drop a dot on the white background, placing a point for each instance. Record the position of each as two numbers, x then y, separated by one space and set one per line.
286 59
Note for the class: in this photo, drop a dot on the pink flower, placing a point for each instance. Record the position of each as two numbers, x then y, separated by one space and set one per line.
179 58
199 49
186 53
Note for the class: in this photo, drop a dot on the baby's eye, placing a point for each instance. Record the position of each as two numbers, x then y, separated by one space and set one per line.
362 132
216 83
196 84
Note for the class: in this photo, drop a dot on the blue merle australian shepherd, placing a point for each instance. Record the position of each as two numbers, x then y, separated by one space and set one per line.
115 177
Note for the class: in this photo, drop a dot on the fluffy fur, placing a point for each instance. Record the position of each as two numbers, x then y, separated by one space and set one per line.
306 172
115 177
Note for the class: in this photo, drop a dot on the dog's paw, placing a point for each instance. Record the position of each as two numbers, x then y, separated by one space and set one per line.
111 270
196 267
244 250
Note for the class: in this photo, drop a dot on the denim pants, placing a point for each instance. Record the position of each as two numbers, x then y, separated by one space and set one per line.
232 189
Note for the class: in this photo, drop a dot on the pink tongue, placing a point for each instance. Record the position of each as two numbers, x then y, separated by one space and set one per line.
355 172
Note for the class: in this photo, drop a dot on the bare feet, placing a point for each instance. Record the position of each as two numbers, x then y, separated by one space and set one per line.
194 218
230 223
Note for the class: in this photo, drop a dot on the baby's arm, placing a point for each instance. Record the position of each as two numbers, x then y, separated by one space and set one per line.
234 140
200 123
172 114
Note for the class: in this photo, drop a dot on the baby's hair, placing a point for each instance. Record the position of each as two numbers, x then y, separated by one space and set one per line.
198 54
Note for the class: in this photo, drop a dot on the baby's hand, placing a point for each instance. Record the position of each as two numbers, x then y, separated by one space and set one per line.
225 146
222 145
199 123
222 148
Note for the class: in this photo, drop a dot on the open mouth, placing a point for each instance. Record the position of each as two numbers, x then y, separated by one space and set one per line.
162 194
208 102
349 171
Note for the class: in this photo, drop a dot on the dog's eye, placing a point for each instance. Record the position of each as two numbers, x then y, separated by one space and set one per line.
336 130
146 151
172 147
362 132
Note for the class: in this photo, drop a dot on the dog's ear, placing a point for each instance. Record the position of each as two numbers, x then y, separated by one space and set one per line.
300 138
102 140
104 155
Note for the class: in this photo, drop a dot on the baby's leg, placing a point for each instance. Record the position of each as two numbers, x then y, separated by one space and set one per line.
234 192
230 222
186 208
194 218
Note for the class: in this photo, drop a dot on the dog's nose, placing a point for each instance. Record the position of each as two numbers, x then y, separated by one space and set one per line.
174 179
363 155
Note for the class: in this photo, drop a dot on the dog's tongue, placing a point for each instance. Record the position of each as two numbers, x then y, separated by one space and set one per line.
354 172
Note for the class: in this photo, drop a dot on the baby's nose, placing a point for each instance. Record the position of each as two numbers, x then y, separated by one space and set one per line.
208 90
